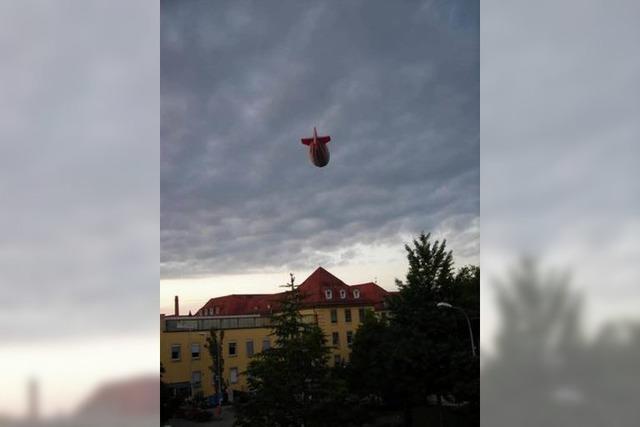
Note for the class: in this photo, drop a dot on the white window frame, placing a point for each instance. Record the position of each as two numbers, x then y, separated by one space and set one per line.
356 293
199 351
231 375
179 352
197 384
328 294
235 346
343 294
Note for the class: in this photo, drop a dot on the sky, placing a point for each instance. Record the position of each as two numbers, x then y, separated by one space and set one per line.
79 174
395 85
560 150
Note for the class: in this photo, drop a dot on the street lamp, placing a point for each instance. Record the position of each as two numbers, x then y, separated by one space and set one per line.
447 305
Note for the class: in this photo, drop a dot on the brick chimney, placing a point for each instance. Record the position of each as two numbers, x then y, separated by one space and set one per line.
177 306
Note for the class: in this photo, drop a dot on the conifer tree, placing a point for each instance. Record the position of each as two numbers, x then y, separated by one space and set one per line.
290 383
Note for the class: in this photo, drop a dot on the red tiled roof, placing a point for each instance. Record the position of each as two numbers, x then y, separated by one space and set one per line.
372 292
313 290
314 287
241 304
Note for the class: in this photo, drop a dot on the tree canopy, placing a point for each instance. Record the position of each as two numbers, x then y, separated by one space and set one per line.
424 350
290 383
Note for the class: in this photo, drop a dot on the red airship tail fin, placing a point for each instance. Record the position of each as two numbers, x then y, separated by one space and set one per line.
307 141
324 139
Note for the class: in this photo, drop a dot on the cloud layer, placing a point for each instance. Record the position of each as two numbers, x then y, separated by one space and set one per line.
395 85
78 169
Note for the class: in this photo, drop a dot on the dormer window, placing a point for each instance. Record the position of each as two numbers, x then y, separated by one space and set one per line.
343 294
328 294
356 293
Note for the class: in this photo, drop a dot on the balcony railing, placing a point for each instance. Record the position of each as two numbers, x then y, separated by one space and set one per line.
205 324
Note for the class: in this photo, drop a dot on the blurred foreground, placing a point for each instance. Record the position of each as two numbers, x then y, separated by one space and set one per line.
560 184
546 370
130 402
79 252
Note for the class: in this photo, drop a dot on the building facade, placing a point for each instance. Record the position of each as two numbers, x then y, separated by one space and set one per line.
336 307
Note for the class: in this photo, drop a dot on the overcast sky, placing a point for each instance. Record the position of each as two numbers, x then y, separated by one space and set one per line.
560 148
395 84
79 197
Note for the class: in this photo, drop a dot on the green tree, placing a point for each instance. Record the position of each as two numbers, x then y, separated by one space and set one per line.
168 402
424 350
214 346
423 354
370 371
467 285
290 384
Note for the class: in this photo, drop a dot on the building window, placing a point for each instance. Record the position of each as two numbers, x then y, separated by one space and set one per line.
175 352
335 338
232 349
195 351
266 344
356 293
216 310
349 338
347 315
196 379
334 316
336 359
249 348
328 294
343 294
361 315
233 375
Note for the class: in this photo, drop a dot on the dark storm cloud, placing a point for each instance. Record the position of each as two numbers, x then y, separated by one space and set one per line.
78 169
395 84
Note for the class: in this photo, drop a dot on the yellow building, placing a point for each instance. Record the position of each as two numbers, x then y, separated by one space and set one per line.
245 321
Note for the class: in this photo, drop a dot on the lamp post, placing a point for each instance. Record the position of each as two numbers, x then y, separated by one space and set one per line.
447 305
